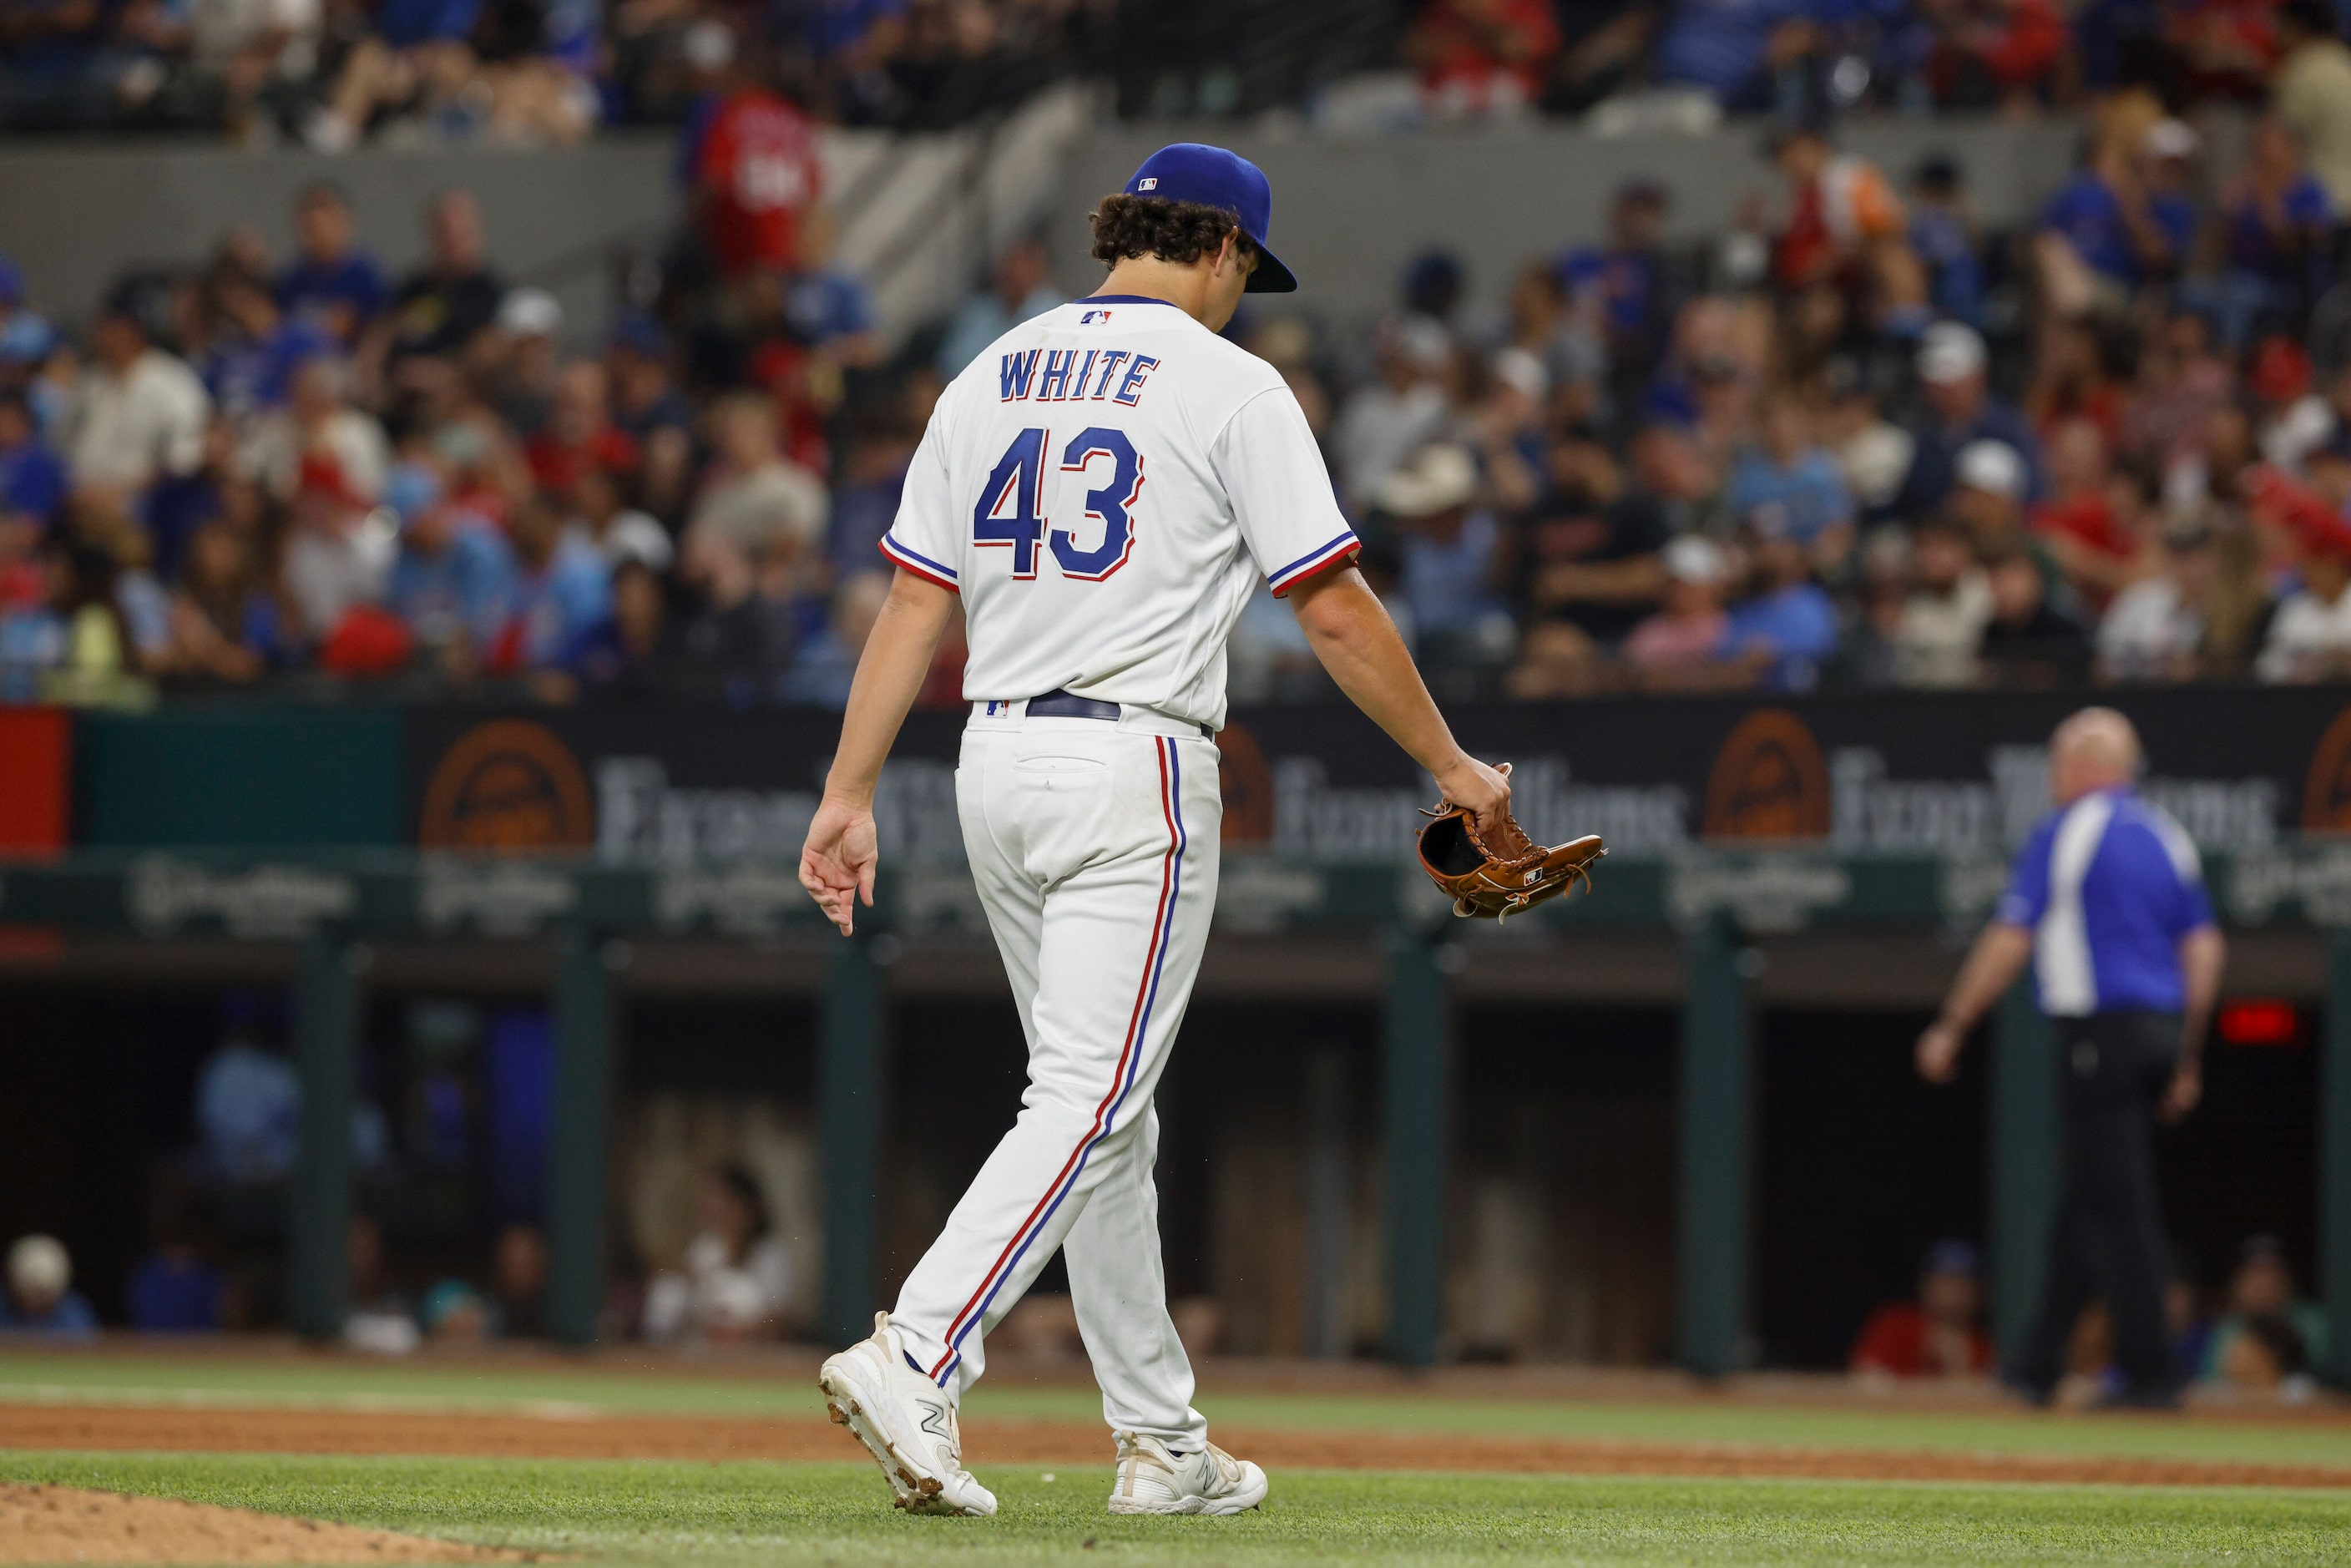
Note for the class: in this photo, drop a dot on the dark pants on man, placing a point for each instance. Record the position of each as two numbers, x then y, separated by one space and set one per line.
2107 1242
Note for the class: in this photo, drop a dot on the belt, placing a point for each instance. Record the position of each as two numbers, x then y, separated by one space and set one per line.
1058 704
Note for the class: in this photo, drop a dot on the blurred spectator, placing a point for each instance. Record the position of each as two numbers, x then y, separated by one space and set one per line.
2027 643
2124 217
1942 235
1959 410
1624 291
446 303
1390 419
1482 57
1590 567
1019 287
824 663
517 1292
226 625
453 1312
454 581
174 1291
263 51
753 162
2310 637
379 1320
318 438
1680 644
1844 234
2098 522
1949 603
416 58
332 282
561 594
827 306
624 654
33 483
2311 90
757 497
2262 1291
736 1280
1940 1334
1872 452
41 1299
2155 626
138 415
1787 626
1741 52
1450 553
1787 483
2277 230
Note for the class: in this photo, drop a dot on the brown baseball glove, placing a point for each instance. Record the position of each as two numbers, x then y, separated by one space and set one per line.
1498 873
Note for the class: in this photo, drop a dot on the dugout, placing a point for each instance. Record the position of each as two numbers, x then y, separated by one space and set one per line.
1601 1135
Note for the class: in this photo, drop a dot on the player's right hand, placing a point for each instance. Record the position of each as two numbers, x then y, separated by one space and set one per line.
1484 793
1938 1051
838 860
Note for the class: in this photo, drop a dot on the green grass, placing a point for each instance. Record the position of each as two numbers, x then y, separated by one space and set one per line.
618 1515
675 1390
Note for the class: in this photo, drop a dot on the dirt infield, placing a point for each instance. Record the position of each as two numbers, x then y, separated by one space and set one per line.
63 1524
1002 1442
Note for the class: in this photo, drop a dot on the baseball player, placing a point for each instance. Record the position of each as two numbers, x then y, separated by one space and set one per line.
1104 488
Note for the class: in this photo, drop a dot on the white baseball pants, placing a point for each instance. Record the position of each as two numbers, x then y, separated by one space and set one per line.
1093 844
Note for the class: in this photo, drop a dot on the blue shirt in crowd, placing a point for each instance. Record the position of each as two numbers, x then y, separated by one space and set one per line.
32 482
2253 247
1796 625
316 287
558 607
466 588
71 1317
1801 501
1719 44
1948 250
2107 885
2090 215
404 24
175 1291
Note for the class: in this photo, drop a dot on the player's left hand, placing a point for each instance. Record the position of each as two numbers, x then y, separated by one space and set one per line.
838 860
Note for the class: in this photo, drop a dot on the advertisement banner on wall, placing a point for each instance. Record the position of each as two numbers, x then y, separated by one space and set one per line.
1947 774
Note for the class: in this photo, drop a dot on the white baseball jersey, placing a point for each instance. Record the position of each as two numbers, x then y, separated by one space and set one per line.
1104 486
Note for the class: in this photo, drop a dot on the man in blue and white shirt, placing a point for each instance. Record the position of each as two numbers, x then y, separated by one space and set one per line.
2107 903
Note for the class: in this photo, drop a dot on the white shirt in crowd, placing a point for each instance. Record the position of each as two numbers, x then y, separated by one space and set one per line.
274 450
1940 635
132 429
2149 630
1381 427
713 1294
2309 639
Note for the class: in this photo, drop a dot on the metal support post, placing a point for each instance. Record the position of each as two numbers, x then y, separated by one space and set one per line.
579 1153
1417 1048
1714 1151
2334 1158
848 1092
2024 1164
319 1199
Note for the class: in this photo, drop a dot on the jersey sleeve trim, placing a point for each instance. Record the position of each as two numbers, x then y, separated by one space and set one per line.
1328 553
922 566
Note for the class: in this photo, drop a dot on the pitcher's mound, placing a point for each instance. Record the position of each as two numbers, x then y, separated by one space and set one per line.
67 1525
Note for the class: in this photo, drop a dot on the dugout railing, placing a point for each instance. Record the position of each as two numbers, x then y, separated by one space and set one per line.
1706 924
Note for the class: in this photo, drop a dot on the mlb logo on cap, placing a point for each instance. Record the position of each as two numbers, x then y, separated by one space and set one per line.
1195 171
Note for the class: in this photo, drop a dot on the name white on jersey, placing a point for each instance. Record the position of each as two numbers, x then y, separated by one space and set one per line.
1104 486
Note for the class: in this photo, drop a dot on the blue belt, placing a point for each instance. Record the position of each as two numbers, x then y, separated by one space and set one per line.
1058 704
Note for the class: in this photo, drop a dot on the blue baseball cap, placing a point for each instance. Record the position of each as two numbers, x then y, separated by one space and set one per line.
1194 172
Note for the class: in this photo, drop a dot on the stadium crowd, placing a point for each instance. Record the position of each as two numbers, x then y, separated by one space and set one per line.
327 73
1853 441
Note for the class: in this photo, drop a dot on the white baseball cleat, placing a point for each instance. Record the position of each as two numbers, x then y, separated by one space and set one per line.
906 1422
1153 1479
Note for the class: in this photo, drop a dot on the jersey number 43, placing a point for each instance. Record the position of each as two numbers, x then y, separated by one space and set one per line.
1011 510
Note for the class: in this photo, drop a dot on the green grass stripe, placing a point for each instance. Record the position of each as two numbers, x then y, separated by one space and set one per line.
743 1515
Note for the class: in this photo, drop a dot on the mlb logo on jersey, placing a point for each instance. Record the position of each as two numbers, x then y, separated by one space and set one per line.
1092 316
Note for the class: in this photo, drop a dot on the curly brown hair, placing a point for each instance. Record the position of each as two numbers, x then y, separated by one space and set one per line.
1181 232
